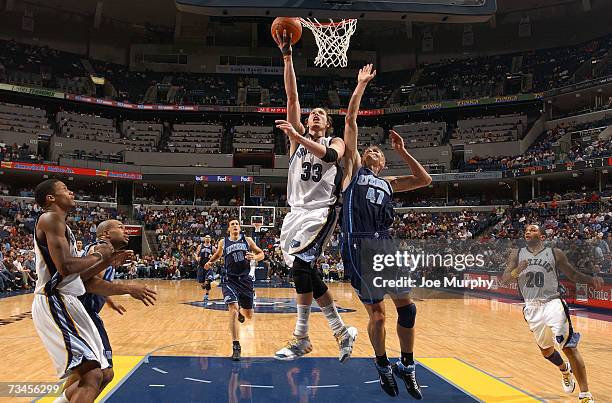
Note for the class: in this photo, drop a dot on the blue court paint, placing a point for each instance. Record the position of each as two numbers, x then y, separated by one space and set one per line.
264 305
218 379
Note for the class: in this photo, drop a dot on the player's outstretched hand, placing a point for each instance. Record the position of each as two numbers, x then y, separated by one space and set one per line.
143 293
283 40
397 142
366 73
288 129
122 256
597 282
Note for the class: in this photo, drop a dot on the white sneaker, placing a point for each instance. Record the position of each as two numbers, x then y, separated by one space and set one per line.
586 397
294 349
346 342
567 379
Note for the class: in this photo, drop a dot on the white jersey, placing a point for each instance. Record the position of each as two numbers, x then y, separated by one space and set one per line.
48 276
539 282
312 182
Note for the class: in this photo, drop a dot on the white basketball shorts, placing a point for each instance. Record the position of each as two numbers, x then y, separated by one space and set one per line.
67 332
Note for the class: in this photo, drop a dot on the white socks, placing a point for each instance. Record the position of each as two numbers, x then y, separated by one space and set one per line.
334 319
62 398
301 326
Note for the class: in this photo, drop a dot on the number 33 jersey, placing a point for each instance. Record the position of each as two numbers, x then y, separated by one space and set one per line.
312 183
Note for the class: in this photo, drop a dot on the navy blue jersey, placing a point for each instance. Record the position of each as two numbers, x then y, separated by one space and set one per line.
234 254
93 302
205 253
367 204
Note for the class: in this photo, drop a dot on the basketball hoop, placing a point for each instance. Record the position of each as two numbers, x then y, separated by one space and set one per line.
333 39
257 226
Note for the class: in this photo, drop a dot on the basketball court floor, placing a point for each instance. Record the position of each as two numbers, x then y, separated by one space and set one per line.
468 349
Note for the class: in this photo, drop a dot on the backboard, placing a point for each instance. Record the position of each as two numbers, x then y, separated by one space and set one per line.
463 11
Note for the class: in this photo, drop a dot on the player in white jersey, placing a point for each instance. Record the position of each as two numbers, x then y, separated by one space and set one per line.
535 267
313 187
65 328
80 250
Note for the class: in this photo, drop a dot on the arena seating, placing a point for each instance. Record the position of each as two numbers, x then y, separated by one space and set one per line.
489 129
467 78
20 128
202 138
422 134
247 137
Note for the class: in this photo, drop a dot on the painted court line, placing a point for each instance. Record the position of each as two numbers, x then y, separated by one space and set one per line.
157 386
257 386
197 380
475 381
374 381
322 386
161 371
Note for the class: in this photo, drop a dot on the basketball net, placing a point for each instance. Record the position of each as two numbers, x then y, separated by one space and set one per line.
333 39
258 227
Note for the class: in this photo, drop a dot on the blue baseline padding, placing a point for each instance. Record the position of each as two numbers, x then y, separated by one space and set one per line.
218 379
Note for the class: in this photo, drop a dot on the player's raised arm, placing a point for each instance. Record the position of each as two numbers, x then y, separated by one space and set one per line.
216 256
419 177
570 272
196 254
294 114
333 153
53 226
256 253
352 159
118 258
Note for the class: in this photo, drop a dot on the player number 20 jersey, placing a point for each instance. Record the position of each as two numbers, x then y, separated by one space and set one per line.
539 281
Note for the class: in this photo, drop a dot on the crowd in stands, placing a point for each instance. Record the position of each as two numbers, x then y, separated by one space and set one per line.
449 79
582 218
547 150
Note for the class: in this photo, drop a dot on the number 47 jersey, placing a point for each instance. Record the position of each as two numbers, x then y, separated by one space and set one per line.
367 204
312 183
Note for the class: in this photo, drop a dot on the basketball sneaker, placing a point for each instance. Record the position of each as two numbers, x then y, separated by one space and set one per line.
236 350
408 375
387 380
586 397
205 297
567 379
346 341
295 348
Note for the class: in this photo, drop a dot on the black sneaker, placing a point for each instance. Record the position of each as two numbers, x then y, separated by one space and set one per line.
387 381
236 352
408 375
240 317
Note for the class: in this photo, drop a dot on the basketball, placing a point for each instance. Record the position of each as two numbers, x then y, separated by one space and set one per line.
292 25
